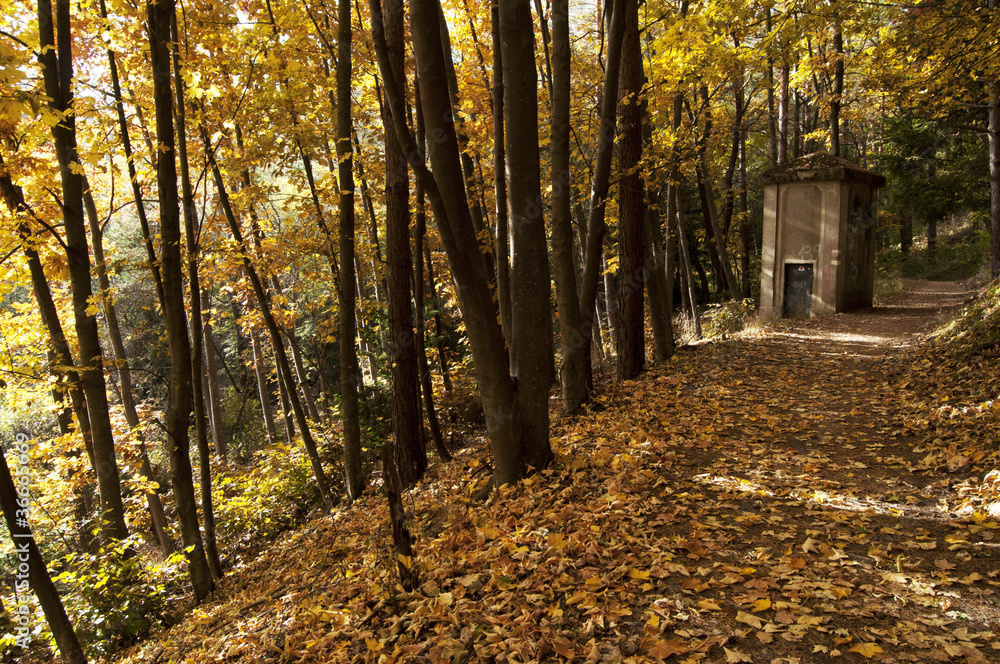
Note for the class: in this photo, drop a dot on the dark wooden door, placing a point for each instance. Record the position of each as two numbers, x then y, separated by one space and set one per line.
798 290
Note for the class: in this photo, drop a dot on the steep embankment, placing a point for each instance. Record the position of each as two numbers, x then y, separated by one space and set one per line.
808 493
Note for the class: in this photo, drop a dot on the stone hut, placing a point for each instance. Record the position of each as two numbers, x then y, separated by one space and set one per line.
819 237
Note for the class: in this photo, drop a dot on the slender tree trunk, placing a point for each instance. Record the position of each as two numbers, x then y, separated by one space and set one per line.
407 431
631 350
783 114
438 325
596 226
500 178
745 233
179 400
656 281
280 357
284 398
140 207
153 503
350 376
688 275
838 83
572 376
263 392
212 371
419 232
196 331
15 500
772 132
994 147
57 70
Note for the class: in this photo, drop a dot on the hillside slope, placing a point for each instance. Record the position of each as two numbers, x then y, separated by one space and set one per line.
813 492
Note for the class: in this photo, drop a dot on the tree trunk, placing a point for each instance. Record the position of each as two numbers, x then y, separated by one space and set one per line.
196 331
656 281
994 147
212 371
500 178
449 201
838 82
745 233
419 232
438 325
280 357
531 320
262 390
772 131
153 503
179 401
58 74
573 379
350 376
631 349
15 500
783 114
406 428
596 227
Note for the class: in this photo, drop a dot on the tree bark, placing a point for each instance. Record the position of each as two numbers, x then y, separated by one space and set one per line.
838 82
994 148
596 226
262 390
531 314
194 304
57 69
631 350
179 400
212 371
449 201
573 378
350 376
406 428
500 178
419 231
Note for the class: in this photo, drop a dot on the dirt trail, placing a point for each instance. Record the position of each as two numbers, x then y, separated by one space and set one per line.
794 431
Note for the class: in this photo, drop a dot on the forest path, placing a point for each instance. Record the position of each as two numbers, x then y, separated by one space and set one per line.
789 454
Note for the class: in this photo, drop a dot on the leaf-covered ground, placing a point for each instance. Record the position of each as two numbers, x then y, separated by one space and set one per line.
814 492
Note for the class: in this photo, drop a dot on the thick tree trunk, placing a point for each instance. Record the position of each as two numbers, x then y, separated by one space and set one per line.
631 349
179 401
406 428
772 131
449 201
531 320
15 500
350 376
58 74
745 232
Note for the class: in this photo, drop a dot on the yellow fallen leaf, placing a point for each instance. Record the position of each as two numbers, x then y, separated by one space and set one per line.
867 649
762 604
749 619
709 605
736 656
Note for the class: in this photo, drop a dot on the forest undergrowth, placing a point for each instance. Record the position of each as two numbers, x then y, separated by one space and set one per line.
812 491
